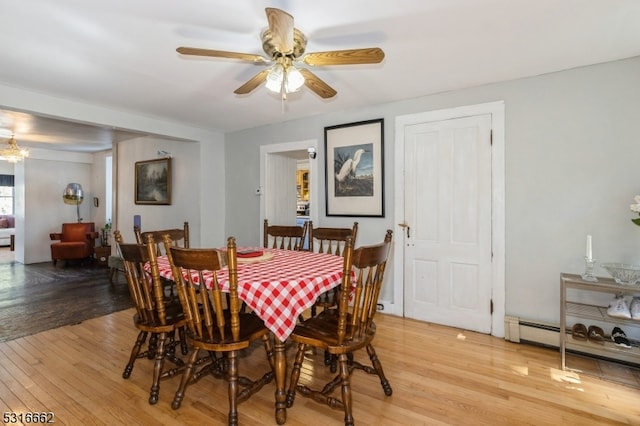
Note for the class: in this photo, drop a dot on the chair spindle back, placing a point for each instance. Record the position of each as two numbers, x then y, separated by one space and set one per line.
204 306
330 240
359 299
179 237
146 289
286 237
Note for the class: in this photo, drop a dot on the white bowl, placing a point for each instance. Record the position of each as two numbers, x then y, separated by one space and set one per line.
623 273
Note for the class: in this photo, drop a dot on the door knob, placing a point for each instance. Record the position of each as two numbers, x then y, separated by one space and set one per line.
406 227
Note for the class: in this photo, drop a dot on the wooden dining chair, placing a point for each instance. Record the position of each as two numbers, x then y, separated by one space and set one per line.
154 315
331 241
287 237
214 327
347 329
179 238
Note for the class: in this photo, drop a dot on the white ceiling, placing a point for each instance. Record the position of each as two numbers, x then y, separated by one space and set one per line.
121 55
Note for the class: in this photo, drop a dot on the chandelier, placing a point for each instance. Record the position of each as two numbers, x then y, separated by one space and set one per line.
13 153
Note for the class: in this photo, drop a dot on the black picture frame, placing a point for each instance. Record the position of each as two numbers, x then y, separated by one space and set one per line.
153 182
354 169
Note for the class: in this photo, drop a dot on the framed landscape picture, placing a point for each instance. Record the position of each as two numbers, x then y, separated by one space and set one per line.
153 181
354 169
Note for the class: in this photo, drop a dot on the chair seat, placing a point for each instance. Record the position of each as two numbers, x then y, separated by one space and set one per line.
71 250
174 317
251 327
322 331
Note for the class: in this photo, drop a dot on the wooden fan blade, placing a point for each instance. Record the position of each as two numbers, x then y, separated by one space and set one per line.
281 27
314 83
254 82
371 55
221 54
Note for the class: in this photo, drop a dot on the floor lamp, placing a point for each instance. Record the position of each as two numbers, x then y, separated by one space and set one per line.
73 194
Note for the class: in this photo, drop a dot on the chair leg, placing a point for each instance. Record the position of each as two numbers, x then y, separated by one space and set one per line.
295 374
184 348
269 349
343 366
170 348
157 368
232 376
142 337
153 343
184 381
386 386
332 360
328 359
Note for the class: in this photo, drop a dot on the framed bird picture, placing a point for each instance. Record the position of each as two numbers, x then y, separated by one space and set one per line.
354 169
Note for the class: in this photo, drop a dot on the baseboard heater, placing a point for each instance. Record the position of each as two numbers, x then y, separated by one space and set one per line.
519 330
535 332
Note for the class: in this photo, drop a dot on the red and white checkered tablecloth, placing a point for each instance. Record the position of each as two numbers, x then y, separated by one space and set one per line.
280 289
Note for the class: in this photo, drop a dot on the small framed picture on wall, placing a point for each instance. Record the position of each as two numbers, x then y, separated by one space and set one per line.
153 182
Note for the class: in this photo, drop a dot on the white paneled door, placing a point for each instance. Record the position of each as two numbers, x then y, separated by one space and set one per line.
448 199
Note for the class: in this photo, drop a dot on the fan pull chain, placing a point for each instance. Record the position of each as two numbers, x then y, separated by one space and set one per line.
283 93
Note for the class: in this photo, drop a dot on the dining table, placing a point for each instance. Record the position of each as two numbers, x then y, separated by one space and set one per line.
278 285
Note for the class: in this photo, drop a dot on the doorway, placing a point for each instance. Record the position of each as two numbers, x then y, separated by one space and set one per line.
279 166
450 208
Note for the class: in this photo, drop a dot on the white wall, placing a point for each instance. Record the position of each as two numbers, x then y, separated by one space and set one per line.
40 181
98 176
185 193
197 189
6 168
572 154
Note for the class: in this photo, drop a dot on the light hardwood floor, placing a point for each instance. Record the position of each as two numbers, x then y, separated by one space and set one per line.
440 376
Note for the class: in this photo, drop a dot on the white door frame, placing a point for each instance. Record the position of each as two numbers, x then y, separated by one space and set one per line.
496 109
314 169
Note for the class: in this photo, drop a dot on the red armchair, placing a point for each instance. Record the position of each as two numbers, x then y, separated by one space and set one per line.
76 242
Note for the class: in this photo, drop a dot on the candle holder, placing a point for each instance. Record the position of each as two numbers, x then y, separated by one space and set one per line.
589 265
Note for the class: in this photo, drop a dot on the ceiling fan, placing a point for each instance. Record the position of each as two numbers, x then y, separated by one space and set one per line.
285 46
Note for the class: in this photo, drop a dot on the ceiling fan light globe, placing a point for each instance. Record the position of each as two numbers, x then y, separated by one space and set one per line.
274 79
295 80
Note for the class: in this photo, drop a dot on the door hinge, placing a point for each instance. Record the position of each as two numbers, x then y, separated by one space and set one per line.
491 137
491 306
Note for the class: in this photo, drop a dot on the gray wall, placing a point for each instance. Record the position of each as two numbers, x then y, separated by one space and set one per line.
571 170
572 150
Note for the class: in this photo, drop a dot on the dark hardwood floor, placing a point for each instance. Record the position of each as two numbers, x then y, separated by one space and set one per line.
42 296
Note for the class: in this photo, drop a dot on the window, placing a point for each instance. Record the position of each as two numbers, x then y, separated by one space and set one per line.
6 194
